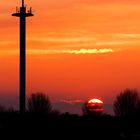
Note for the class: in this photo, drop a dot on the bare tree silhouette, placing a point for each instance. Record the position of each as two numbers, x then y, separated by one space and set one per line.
39 103
126 103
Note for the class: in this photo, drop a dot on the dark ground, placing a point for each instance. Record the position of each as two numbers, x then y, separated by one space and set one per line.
66 126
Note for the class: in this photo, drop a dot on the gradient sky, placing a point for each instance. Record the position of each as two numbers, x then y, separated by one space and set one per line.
76 49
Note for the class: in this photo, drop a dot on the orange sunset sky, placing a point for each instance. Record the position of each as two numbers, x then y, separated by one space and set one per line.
76 49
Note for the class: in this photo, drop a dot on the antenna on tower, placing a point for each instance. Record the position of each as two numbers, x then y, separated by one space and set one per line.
22 3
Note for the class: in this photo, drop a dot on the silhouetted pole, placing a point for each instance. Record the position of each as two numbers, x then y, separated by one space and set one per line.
22 14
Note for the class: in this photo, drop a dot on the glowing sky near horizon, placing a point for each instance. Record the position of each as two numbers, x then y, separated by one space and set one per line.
75 48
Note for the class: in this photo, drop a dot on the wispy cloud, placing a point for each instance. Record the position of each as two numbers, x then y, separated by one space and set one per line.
77 41
80 51
63 40
115 43
71 101
127 35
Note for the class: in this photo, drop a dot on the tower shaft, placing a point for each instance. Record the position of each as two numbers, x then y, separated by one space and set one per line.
22 59
22 15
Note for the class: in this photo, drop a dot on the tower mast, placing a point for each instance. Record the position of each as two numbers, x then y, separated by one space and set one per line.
22 14
22 3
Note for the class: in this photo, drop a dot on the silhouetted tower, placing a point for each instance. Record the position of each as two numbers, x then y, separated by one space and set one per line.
22 14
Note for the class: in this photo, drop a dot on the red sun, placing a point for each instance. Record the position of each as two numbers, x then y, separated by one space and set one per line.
94 105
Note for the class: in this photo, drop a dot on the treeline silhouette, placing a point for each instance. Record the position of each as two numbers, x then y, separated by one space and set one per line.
42 121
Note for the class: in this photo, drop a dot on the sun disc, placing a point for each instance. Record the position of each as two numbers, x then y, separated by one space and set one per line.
95 101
